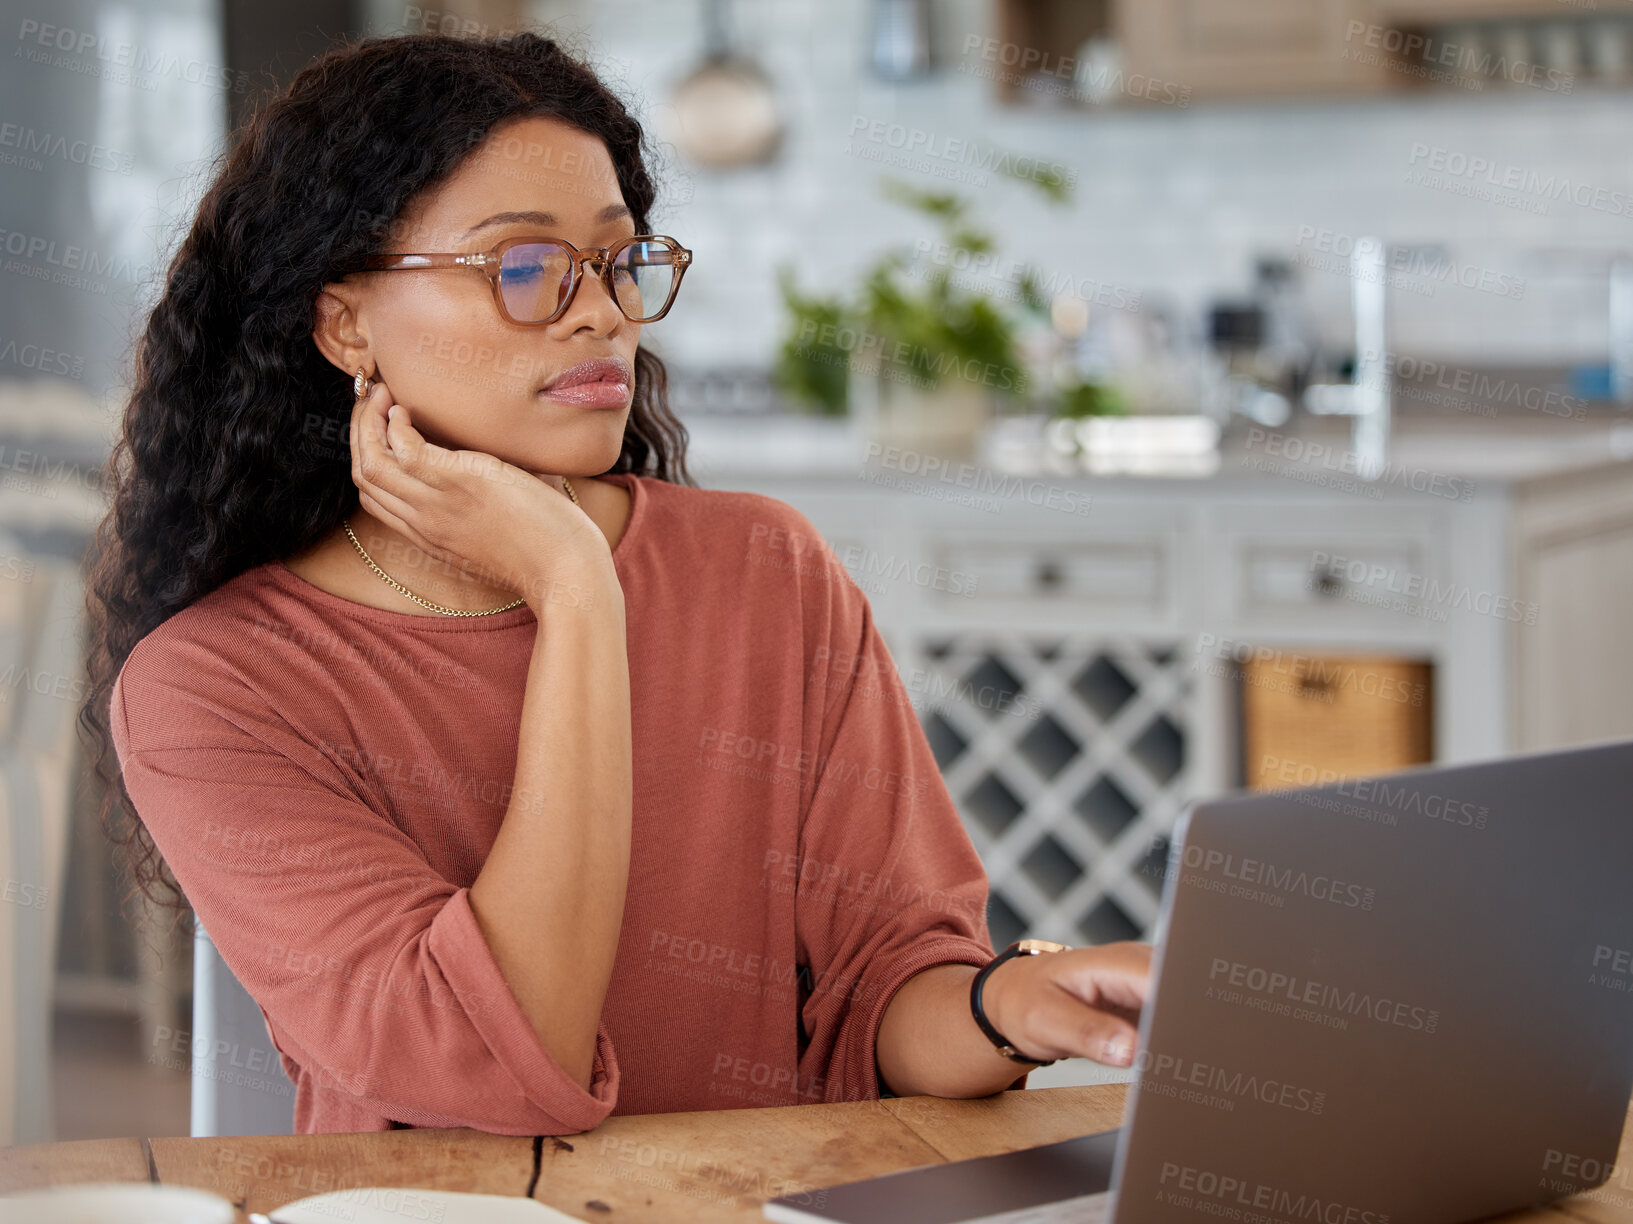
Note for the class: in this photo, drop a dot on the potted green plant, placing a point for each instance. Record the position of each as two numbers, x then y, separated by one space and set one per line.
922 354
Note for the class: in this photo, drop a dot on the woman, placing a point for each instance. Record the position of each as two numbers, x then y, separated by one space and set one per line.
518 779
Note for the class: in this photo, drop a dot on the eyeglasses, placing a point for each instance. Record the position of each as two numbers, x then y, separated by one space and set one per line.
534 279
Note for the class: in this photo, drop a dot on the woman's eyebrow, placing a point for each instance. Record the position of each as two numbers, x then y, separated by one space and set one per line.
612 212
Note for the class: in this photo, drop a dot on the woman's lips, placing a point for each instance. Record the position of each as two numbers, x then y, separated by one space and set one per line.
600 382
602 393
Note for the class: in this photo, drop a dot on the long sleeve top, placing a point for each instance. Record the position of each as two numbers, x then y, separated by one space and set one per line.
325 780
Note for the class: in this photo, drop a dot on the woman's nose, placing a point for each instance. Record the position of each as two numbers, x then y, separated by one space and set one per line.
601 276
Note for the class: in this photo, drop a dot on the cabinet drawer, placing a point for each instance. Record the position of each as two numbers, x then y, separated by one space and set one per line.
1126 573
1365 578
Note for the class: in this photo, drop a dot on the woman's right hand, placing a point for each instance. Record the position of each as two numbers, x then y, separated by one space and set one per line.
473 511
1080 1003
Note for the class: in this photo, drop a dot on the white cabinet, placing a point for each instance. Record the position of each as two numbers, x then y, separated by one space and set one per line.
1574 580
1072 671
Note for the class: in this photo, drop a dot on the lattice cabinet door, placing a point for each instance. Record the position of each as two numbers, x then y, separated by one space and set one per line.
1068 760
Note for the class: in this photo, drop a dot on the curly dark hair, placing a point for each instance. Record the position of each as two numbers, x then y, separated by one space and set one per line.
214 472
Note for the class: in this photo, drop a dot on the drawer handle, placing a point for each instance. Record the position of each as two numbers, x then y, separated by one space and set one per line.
1328 584
1049 575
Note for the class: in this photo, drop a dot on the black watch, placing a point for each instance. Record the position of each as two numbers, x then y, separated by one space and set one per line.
1024 947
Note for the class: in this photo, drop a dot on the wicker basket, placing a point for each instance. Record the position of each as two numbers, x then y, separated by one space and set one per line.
1308 720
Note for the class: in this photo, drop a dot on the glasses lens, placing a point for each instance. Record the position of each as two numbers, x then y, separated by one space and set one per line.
533 279
643 276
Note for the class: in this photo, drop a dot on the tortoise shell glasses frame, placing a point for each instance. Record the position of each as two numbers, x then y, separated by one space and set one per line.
492 263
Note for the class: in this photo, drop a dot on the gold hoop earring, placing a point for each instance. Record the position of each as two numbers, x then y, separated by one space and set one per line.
362 384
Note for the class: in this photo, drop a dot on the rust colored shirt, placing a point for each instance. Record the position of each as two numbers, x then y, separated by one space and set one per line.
325 780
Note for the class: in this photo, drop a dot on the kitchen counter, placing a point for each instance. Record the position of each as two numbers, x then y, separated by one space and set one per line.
1316 450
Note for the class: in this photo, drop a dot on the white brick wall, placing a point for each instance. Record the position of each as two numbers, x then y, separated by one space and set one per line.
1173 202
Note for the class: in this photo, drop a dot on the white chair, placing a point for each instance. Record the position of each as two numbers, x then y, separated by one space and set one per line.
41 686
239 1086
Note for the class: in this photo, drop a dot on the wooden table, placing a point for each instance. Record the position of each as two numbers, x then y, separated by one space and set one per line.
673 1168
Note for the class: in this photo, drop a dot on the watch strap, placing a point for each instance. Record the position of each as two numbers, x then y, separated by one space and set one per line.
1024 947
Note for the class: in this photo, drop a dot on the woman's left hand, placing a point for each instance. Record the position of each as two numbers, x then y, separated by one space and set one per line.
1080 1003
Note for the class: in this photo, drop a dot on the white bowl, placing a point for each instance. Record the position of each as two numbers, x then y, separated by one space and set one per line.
116 1203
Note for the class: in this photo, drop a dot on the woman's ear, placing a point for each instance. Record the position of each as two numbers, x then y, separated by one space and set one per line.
338 332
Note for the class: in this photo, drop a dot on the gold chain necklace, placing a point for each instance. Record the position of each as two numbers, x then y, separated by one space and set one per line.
426 603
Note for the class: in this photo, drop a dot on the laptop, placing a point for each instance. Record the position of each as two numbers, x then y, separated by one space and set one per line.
1399 1000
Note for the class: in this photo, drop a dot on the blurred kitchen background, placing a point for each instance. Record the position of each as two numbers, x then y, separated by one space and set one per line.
1205 395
